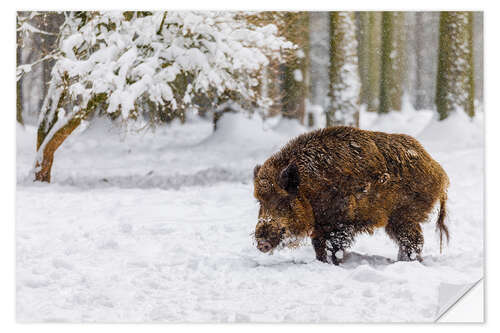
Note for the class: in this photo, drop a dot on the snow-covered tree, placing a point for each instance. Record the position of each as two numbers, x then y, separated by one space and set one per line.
455 79
130 64
392 66
345 83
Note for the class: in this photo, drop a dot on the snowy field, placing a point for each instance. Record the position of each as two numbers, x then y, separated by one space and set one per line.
156 226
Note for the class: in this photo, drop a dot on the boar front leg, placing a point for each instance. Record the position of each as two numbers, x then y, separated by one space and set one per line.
319 244
340 239
331 241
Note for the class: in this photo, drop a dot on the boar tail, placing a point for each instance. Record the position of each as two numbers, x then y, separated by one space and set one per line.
443 229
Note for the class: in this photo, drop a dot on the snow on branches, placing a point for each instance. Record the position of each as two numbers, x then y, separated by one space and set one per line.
129 64
166 58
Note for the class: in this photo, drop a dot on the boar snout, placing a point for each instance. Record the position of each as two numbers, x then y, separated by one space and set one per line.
264 246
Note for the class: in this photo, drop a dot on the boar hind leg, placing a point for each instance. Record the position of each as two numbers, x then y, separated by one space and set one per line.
409 238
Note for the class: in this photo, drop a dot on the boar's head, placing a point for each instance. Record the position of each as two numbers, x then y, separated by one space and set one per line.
285 216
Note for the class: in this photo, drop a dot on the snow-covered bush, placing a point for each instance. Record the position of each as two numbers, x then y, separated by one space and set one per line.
131 64
166 57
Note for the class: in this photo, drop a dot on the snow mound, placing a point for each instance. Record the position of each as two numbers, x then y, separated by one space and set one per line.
408 121
289 127
239 128
455 132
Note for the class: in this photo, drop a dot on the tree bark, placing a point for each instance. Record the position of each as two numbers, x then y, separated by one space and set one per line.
363 37
455 78
374 40
43 173
391 83
369 32
43 168
19 83
271 86
295 71
419 59
478 55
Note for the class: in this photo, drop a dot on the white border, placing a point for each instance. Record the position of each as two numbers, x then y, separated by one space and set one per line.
492 97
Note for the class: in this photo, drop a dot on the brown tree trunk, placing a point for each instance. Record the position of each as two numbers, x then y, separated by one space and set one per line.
392 65
43 173
294 71
455 80
19 83
273 89
419 57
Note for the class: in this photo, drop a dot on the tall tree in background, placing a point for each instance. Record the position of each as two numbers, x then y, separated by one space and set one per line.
478 55
369 42
375 49
345 83
392 62
19 82
363 33
319 57
295 69
419 58
455 78
422 32
271 84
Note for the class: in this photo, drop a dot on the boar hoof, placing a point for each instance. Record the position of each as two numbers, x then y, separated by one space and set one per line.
322 259
404 255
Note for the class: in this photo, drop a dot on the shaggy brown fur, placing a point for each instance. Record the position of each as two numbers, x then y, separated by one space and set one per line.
334 183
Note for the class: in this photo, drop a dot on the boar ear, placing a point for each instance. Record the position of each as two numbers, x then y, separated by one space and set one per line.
289 179
256 170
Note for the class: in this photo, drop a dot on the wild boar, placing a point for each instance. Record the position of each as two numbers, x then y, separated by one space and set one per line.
335 183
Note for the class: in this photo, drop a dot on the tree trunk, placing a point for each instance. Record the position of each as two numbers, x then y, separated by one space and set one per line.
318 50
19 83
455 78
374 40
19 102
369 41
419 59
43 170
49 144
391 83
273 85
345 83
363 37
478 55
294 72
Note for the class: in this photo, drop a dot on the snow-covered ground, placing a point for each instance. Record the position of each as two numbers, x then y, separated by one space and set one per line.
157 227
